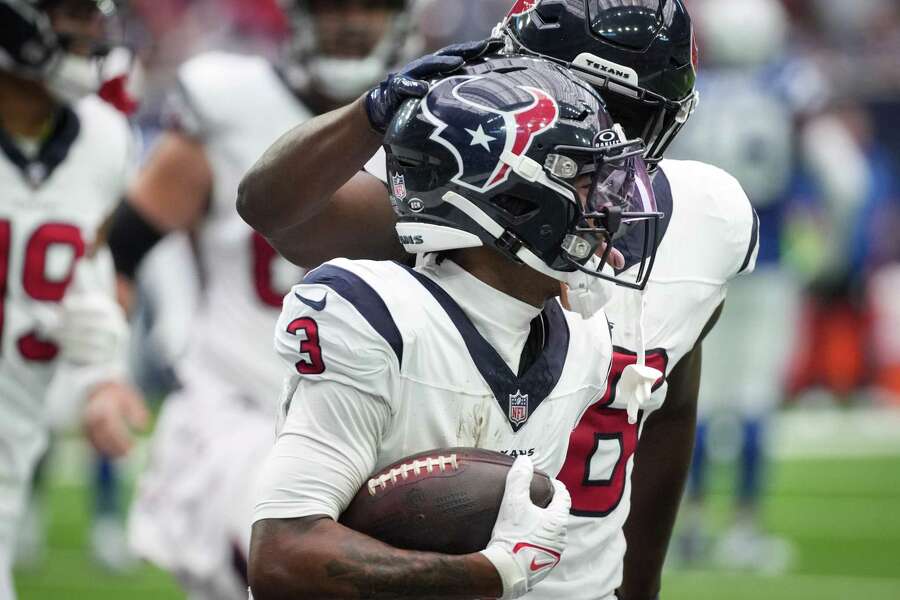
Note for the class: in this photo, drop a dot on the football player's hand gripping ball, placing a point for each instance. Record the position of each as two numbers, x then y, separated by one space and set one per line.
527 541
383 101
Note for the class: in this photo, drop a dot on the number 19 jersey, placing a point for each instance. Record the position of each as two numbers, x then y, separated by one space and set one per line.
51 204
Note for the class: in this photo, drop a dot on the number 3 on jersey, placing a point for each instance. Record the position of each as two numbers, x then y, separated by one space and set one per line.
602 443
310 362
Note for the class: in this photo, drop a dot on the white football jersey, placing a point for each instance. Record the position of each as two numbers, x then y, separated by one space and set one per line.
399 338
51 206
709 237
237 106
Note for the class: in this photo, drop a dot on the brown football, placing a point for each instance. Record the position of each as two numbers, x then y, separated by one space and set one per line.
444 500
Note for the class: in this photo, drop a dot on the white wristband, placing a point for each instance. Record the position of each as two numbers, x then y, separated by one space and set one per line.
515 584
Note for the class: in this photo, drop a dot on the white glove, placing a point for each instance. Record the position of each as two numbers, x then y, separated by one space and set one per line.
528 540
92 329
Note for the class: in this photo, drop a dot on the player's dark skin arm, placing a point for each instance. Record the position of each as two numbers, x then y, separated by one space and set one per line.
316 558
309 197
661 465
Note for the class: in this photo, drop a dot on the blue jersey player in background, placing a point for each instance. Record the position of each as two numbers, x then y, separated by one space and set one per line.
758 120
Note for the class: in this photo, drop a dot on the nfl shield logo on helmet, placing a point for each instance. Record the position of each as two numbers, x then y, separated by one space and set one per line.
398 183
518 408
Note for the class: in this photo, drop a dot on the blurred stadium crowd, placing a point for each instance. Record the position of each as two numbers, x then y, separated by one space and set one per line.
803 108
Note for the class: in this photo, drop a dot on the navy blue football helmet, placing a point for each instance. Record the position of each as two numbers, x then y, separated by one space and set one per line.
69 66
640 54
516 154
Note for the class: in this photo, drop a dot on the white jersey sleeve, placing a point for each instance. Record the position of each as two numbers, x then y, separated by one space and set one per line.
325 451
332 329
206 99
337 401
714 234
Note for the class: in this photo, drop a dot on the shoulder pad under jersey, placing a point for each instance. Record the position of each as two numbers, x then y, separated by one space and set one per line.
713 234
335 326
109 144
216 89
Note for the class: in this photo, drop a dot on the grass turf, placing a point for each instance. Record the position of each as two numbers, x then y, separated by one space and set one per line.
842 515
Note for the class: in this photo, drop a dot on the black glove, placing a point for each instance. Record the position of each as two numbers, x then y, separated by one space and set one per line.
383 101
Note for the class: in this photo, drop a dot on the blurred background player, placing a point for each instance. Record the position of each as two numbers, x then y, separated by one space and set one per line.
192 511
758 122
64 164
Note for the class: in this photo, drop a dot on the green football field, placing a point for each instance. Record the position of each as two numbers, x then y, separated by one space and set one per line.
842 515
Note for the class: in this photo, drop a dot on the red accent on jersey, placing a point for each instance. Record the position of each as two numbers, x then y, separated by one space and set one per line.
35 282
35 349
596 496
34 275
264 257
5 245
312 363
115 92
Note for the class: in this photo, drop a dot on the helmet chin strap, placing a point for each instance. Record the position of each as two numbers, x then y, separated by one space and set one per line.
587 294
636 383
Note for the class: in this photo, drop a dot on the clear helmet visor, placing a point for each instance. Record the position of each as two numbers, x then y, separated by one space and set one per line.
620 204
621 185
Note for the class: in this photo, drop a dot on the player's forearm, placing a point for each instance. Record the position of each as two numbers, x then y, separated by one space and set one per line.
662 462
318 558
295 178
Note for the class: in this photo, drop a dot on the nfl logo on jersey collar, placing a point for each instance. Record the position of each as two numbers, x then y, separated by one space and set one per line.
518 408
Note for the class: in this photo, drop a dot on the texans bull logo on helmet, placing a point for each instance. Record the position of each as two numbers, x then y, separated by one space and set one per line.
489 133
521 7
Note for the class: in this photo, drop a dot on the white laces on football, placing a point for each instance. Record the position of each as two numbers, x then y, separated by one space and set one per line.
637 380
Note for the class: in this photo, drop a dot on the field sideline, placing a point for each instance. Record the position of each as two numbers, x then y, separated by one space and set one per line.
841 514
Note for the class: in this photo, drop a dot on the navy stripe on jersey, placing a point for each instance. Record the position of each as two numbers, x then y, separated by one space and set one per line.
360 294
631 245
53 151
754 241
541 377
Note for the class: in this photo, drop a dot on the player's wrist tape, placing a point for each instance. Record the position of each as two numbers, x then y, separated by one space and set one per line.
515 583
